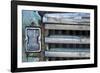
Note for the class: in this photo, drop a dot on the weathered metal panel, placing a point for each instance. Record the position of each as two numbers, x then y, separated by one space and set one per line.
33 42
